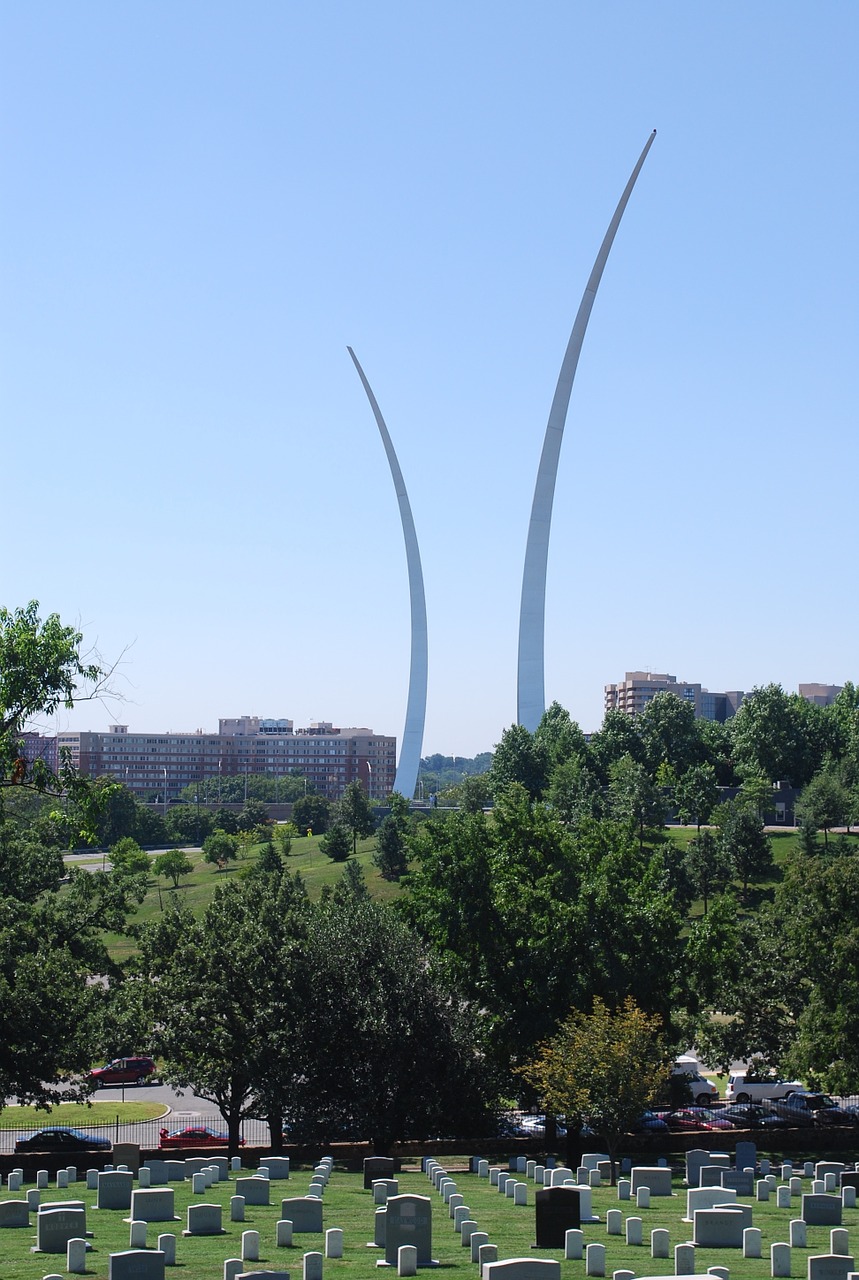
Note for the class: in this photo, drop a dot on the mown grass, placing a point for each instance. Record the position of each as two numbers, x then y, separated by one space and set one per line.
79 1115
348 1206
195 890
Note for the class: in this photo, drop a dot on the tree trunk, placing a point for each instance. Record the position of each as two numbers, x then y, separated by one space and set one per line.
275 1128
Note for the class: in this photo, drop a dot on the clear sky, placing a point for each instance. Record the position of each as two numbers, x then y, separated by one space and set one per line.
204 202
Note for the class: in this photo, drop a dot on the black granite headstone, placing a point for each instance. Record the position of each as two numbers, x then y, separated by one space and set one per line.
558 1211
850 1179
378 1167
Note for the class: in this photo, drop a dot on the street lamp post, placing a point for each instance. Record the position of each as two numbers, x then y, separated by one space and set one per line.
369 781
164 771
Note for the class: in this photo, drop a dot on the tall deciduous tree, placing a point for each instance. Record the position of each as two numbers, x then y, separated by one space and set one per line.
696 794
520 757
634 797
388 1051
230 995
746 845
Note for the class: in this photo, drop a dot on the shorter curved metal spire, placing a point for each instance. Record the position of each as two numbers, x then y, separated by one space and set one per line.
531 694
406 780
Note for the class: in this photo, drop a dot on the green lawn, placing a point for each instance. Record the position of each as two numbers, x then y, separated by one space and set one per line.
195 891
79 1115
348 1206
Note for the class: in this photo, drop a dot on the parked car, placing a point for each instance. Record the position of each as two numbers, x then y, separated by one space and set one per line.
649 1122
806 1109
752 1115
741 1090
60 1139
529 1126
192 1135
697 1118
123 1071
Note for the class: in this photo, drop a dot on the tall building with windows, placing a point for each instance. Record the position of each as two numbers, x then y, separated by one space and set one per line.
633 693
160 765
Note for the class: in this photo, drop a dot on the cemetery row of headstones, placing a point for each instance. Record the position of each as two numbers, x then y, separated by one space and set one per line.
61 1226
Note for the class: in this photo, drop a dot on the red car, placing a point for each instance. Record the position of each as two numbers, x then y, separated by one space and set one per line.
123 1071
199 1135
697 1118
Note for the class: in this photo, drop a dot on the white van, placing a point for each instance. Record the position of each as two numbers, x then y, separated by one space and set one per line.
704 1092
758 1091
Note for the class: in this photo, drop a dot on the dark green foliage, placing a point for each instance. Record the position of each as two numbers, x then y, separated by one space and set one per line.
634 797
707 866
520 757
311 813
531 916
353 811
391 854
746 845
696 794
388 1052
219 848
337 843
173 865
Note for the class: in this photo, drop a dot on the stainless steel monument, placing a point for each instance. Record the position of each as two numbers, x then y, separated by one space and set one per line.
406 780
531 698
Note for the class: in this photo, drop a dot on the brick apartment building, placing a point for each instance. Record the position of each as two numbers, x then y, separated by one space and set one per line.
150 763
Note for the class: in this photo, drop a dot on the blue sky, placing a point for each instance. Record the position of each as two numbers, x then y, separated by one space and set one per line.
209 201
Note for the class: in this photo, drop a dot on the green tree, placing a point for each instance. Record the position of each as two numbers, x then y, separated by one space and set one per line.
173 865
617 738
42 669
354 811
696 794
747 846
219 848
254 814
669 733
520 757
825 802
560 735
574 791
127 856
707 866
311 813
780 736
634 797
230 997
389 1051
603 1069
337 843
392 855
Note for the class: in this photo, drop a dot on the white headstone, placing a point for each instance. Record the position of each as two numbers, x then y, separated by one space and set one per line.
798 1234
250 1246
334 1242
574 1243
634 1231
283 1234
76 1256
167 1246
614 1222
137 1234
684 1260
595 1260
237 1208
659 1243
780 1259
752 1242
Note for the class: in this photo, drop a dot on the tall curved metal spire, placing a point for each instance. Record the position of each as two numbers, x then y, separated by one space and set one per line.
531 697
406 780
